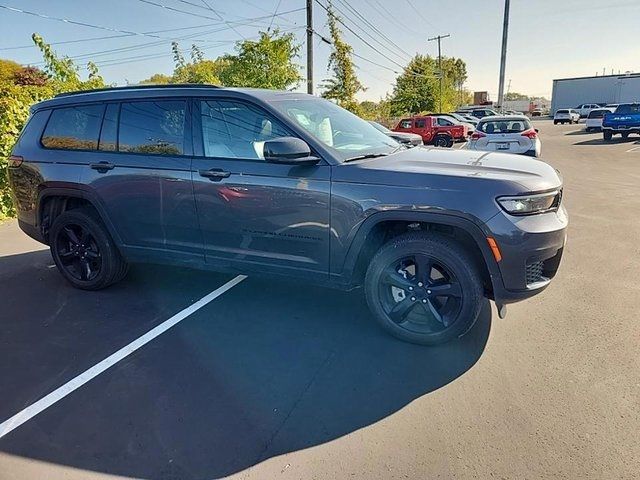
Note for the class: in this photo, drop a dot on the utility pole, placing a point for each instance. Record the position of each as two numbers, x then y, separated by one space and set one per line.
310 47
503 57
440 74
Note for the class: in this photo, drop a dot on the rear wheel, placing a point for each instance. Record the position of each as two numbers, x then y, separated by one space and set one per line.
607 135
443 141
424 289
84 252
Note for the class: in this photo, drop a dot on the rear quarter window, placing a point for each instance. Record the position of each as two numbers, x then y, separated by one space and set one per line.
634 108
73 128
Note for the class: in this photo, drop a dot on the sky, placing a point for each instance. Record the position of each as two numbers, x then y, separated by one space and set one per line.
547 38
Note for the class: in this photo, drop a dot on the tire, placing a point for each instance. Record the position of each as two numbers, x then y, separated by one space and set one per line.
555 122
84 252
429 319
442 141
607 135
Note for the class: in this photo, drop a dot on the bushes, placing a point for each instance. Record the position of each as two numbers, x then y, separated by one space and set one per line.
24 86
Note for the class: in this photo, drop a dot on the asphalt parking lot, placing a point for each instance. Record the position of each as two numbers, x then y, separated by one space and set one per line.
281 380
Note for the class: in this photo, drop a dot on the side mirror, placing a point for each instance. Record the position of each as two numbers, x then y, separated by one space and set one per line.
288 151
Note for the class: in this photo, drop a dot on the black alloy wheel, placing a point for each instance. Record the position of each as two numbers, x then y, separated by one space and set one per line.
79 253
83 250
424 288
420 294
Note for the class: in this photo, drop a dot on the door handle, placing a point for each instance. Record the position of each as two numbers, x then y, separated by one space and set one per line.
102 167
215 174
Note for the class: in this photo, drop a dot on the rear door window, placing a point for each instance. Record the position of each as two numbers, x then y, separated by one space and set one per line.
153 127
443 122
74 128
422 123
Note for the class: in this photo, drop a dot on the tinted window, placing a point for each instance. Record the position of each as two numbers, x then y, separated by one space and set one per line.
405 124
443 122
155 127
628 108
562 111
237 130
74 128
504 126
421 123
109 132
598 113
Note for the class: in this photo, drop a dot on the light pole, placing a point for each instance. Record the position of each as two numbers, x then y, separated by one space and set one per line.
503 56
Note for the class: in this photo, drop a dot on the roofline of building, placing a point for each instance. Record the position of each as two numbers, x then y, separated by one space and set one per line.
618 75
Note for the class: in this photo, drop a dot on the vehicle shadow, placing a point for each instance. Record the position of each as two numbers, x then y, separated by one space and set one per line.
269 368
580 132
600 141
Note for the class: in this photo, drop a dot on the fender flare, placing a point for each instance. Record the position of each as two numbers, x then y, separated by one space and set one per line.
82 193
473 229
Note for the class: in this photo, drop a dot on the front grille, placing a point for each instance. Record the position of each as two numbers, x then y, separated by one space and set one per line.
534 272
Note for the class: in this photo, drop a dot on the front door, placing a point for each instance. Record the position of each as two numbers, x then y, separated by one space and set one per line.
256 215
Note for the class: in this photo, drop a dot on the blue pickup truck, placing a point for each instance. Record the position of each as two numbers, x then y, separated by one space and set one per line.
625 120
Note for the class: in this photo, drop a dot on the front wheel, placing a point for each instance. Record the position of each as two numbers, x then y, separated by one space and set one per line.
607 135
424 289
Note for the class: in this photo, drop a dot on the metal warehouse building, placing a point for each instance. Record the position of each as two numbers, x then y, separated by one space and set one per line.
571 92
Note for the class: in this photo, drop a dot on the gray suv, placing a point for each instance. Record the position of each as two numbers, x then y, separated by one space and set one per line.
281 183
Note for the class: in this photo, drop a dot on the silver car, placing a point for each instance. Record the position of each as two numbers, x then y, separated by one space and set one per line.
508 134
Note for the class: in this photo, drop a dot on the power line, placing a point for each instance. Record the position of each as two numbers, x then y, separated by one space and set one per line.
375 30
420 14
339 20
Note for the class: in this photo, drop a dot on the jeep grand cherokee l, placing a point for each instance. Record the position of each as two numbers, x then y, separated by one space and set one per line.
282 183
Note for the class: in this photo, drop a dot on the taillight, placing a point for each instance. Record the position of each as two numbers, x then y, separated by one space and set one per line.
15 161
476 135
531 133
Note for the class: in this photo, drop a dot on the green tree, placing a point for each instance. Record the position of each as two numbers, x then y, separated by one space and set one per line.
16 98
8 69
416 87
515 96
265 63
156 79
344 85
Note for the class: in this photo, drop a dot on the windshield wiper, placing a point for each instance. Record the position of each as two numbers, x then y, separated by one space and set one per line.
362 157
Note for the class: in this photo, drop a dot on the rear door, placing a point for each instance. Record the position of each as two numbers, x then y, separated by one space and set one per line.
256 215
142 177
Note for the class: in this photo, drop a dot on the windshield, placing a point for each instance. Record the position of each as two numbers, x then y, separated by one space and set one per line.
598 113
346 134
504 126
629 108
562 111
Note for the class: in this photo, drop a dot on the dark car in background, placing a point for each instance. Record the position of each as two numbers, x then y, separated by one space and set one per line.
405 138
285 184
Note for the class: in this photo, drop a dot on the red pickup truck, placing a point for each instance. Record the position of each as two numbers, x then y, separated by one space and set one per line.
433 132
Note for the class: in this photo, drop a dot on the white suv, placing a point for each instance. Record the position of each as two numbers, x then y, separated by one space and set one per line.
566 115
585 108
508 134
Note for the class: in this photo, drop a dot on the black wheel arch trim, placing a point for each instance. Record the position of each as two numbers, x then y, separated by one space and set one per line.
450 219
84 194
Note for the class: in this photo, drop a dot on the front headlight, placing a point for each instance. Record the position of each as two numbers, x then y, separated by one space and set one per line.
531 204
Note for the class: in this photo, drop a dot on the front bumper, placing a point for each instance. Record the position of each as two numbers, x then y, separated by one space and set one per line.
531 253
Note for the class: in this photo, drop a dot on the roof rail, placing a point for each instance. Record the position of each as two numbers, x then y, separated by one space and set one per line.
138 87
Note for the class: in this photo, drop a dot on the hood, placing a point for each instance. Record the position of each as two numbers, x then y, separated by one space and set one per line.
405 135
516 173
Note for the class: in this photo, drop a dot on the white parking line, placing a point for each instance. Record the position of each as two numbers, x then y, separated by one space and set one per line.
634 149
462 146
72 385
